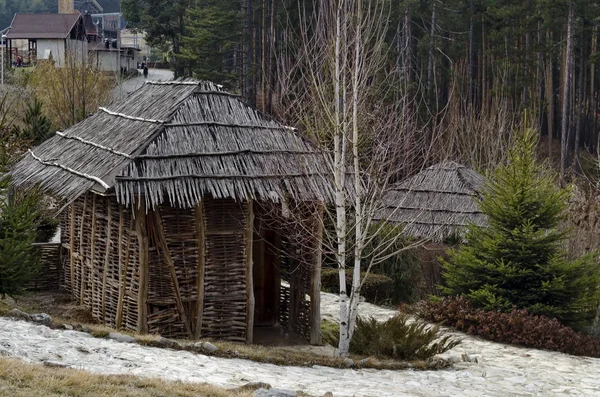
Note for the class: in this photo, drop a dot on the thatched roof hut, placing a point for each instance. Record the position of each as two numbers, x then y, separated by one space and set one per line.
171 225
436 203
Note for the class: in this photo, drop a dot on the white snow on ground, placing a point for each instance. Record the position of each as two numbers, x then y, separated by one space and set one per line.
502 370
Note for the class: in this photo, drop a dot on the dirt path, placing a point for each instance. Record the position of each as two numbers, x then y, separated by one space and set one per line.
501 370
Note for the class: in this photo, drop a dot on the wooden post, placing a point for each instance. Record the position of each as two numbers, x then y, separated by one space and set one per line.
315 280
142 236
162 240
106 260
82 252
200 232
92 272
249 279
123 265
277 275
72 248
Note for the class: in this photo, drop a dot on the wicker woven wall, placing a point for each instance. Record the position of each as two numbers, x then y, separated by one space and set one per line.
225 303
48 277
197 268
100 266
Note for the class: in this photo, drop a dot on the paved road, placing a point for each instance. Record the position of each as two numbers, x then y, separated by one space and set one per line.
133 83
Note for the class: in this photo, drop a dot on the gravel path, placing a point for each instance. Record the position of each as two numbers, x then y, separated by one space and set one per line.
501 370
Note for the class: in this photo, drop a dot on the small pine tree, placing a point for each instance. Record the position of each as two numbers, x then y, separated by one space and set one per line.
519 259
19 217
37 127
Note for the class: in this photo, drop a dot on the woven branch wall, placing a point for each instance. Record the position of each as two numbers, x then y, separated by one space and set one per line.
49 274
100 266
225 306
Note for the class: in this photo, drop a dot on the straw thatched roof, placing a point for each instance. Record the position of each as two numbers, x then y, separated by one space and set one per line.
176 142
435 203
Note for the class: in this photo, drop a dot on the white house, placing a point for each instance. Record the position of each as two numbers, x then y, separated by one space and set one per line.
47 36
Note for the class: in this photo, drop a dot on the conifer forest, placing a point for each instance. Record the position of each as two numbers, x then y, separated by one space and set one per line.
473 70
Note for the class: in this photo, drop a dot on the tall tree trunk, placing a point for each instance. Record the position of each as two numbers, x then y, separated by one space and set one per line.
471 66
250 97
567 81
273 60
550 94
580 107
431 58
539 75
263 61
592 95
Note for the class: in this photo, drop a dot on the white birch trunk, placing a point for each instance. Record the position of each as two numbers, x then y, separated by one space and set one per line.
339 179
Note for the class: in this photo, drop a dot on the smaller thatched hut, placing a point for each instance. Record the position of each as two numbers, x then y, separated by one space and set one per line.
436 203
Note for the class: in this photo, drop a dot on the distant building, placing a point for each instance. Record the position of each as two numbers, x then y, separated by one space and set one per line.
32 37
88 7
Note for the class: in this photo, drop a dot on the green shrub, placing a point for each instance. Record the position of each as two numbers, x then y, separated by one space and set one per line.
517 327
18 230
376 289
397 338
519 260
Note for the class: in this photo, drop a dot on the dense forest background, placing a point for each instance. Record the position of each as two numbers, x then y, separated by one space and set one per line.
474 69
477 68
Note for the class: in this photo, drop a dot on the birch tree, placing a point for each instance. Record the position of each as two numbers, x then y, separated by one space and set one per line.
351 98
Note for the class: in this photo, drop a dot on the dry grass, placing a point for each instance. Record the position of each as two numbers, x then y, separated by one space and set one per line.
19 379
63 311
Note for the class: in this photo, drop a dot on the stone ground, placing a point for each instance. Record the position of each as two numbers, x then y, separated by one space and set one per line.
501 370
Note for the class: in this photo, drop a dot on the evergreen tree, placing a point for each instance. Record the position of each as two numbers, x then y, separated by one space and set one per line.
37 127
209 45
518 259
19 217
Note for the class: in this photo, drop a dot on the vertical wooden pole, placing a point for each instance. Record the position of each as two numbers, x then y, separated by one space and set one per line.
315 280
106 259
123 266
142 236
277 275
249 279
92 268
72 249
200 231
162 241
82 252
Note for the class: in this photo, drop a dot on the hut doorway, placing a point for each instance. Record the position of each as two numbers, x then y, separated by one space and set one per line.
266 274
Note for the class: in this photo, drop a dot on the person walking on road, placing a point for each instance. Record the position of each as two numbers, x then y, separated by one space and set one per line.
145 71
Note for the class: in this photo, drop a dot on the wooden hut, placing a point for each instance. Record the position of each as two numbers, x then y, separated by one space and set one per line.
436 203
177 217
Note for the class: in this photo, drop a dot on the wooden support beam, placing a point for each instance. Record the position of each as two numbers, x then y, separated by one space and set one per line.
142 236
162 241
123 267
249 278
106 259
200 232
92 265
82 252
277 276
315 280
72 249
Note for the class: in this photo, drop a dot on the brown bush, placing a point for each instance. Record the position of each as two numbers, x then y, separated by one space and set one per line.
376 289
518 327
